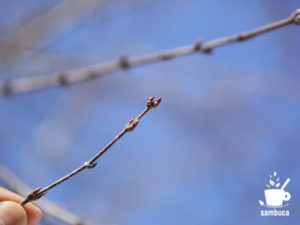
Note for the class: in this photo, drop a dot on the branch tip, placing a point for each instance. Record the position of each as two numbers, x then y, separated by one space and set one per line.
151 104
158 101
296 16
151 98
38 192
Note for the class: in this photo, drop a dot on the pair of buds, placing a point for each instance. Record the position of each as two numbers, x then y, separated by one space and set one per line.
131 124
150 104
296 16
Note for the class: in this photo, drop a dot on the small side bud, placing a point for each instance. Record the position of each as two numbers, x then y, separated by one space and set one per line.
206 50
131 124
41 195
6 88
242 37
62 78
198 45
166 56
35 191
92 74
32 196
90 165
124 62
134 123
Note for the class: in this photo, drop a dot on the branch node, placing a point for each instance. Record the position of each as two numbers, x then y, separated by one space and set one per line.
198 45
38 192
166 56
206 50
124 62
6 88
243 37
296 16
131 124
81 74
90 165
62 78
92 74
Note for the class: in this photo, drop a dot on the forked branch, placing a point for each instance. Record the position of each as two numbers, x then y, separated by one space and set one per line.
39 192
23 85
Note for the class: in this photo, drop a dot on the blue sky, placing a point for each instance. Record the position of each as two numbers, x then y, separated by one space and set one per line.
227 120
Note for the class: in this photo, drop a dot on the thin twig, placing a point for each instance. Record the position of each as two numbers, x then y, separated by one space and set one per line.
23 85
50 208
39 192
26 39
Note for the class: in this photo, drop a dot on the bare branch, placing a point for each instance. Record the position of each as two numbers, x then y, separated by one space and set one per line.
22 85
39 192
33 35
48 207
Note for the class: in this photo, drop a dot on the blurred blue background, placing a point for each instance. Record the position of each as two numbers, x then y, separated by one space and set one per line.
227 120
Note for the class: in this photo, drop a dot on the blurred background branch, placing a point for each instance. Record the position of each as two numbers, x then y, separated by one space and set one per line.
23 85
28 38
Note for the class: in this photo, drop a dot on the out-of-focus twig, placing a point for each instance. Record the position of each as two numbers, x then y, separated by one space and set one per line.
22 85
37 33
39 192
48 207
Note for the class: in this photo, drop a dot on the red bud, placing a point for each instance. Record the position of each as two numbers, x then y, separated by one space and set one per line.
158 100
134 123
131 124
296 16
35 191
151 99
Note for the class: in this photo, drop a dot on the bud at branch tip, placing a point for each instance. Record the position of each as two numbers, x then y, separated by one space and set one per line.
151 103
296 16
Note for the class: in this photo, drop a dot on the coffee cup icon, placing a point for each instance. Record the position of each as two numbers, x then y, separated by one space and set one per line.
275 197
